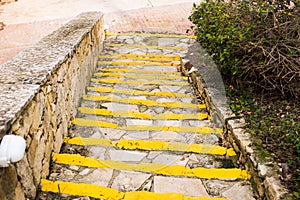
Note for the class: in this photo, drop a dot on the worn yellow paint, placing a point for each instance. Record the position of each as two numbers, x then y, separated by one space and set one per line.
84 122
173 170
188 129
140 71
143 102
143 195
147 47
137 63
139 82
134 114
139 92
153 145
148 57
89 141
151 35
146 77
80 189
101 192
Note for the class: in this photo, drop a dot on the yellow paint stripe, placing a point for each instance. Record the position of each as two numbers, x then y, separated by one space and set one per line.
139 82
134 114
153 145
169 77
151 35
144 102
173 170
85 122
138 92
80 189
101 192
137 63
147 47
141 71
149 57
187 129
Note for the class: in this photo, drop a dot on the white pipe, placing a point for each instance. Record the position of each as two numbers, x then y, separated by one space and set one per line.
12 149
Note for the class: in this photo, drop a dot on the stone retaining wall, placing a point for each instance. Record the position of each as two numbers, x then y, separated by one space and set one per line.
39 92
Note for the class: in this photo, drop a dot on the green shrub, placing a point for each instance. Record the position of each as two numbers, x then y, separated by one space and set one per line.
257 44
253 42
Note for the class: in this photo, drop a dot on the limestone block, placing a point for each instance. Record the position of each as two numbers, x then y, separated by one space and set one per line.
274 188
19 194
239 191
185 186
37 112
36 157
129 181
8 182
26 178
58 137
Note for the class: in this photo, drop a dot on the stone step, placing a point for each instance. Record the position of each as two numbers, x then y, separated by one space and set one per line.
140 63
153 145
136 70
155 92
128 154
139 80
140 115
139 57
169 136
131 161
148 44
145 77
162 102
147 125
159 35
135 192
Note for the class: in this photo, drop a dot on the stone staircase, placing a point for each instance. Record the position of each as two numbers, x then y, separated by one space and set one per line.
141 133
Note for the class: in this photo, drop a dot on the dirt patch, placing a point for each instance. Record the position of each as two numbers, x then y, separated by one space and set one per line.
274 121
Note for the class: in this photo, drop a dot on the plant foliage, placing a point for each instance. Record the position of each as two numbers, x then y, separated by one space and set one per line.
253 42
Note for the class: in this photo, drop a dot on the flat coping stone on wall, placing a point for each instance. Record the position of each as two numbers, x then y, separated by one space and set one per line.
22 77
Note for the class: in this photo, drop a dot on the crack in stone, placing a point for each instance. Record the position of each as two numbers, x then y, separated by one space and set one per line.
150 181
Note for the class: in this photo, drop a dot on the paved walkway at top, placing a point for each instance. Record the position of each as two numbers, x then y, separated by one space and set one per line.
28 21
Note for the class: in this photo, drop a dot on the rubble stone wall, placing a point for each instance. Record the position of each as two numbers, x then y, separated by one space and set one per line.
39 92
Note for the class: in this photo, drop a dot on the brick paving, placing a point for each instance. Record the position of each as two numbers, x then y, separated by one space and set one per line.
16 37
163 19
171 18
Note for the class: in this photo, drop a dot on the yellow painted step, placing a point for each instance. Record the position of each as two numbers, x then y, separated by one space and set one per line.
139 82
101 192
161 169
147 47
139 92
151 35
153 145
187 129
144 102
146 57
139 115
139 71
146 77
143 63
